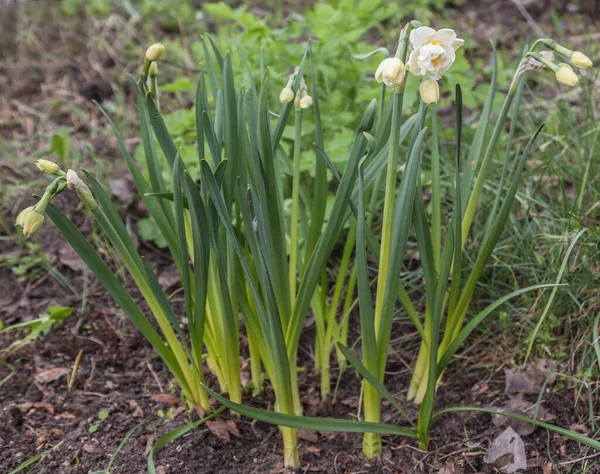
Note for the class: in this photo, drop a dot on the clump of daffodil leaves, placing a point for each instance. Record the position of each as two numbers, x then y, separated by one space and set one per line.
245 252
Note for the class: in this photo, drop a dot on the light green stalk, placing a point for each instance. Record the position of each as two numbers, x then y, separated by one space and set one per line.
295 205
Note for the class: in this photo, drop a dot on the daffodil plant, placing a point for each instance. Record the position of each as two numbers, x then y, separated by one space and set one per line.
449 283
241 259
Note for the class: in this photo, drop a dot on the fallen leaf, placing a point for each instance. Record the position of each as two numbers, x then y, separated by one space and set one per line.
25 407
547 468
51 375
40 440
520 406
46 406
165 398
149 445
530 378
306 435
90 447
137 410
580 428
199 411
66 415
222 429
313 450
507 452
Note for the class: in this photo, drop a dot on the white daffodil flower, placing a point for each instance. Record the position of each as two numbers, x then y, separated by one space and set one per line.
434 52
391 72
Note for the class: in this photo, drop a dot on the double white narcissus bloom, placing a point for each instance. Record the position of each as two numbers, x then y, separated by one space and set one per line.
433 52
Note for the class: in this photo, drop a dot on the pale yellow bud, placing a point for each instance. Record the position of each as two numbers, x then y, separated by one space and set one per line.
32 223
286 95
306 102
580 60
47 166
153 71
154 52
391 72
430 91
20 220
566 75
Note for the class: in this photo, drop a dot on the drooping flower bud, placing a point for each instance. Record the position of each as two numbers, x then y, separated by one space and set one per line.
286 95
579 59
20 220
47 166
154 52
566 75
32 223
305 102
430 91
391 72
83 192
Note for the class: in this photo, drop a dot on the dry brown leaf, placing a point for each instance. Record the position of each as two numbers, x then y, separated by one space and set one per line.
46 406
547 468
313 450
40 440
580 428
306 435
137 410
165 398
507 452
223 429
51 375
520 406
66 415
530 378
90 447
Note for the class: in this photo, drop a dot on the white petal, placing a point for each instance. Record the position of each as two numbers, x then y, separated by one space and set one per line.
420 36
444 36
457 43
413 63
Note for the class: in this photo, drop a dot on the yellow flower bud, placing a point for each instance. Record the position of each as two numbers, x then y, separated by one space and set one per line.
430 91
153 71
20 220
306 102
580 60
47 166
286 95
566 75
154 52
32 223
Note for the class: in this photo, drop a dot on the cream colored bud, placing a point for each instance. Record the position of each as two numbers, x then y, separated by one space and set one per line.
579 59
306 102
391 72
47 166
153 71
566 75
72 179
32 223
430 91
154 52
286 95
20 220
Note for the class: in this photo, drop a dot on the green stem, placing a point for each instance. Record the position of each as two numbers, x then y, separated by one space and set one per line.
436 212
295 205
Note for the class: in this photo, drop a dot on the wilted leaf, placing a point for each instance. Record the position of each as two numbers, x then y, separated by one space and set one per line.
530 378
306 435
51 375
507 452
520 406
165 398
222 429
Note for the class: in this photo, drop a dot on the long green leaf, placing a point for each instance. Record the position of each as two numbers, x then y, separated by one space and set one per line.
312 423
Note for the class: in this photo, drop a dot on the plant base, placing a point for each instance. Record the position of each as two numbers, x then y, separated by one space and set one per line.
372 445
